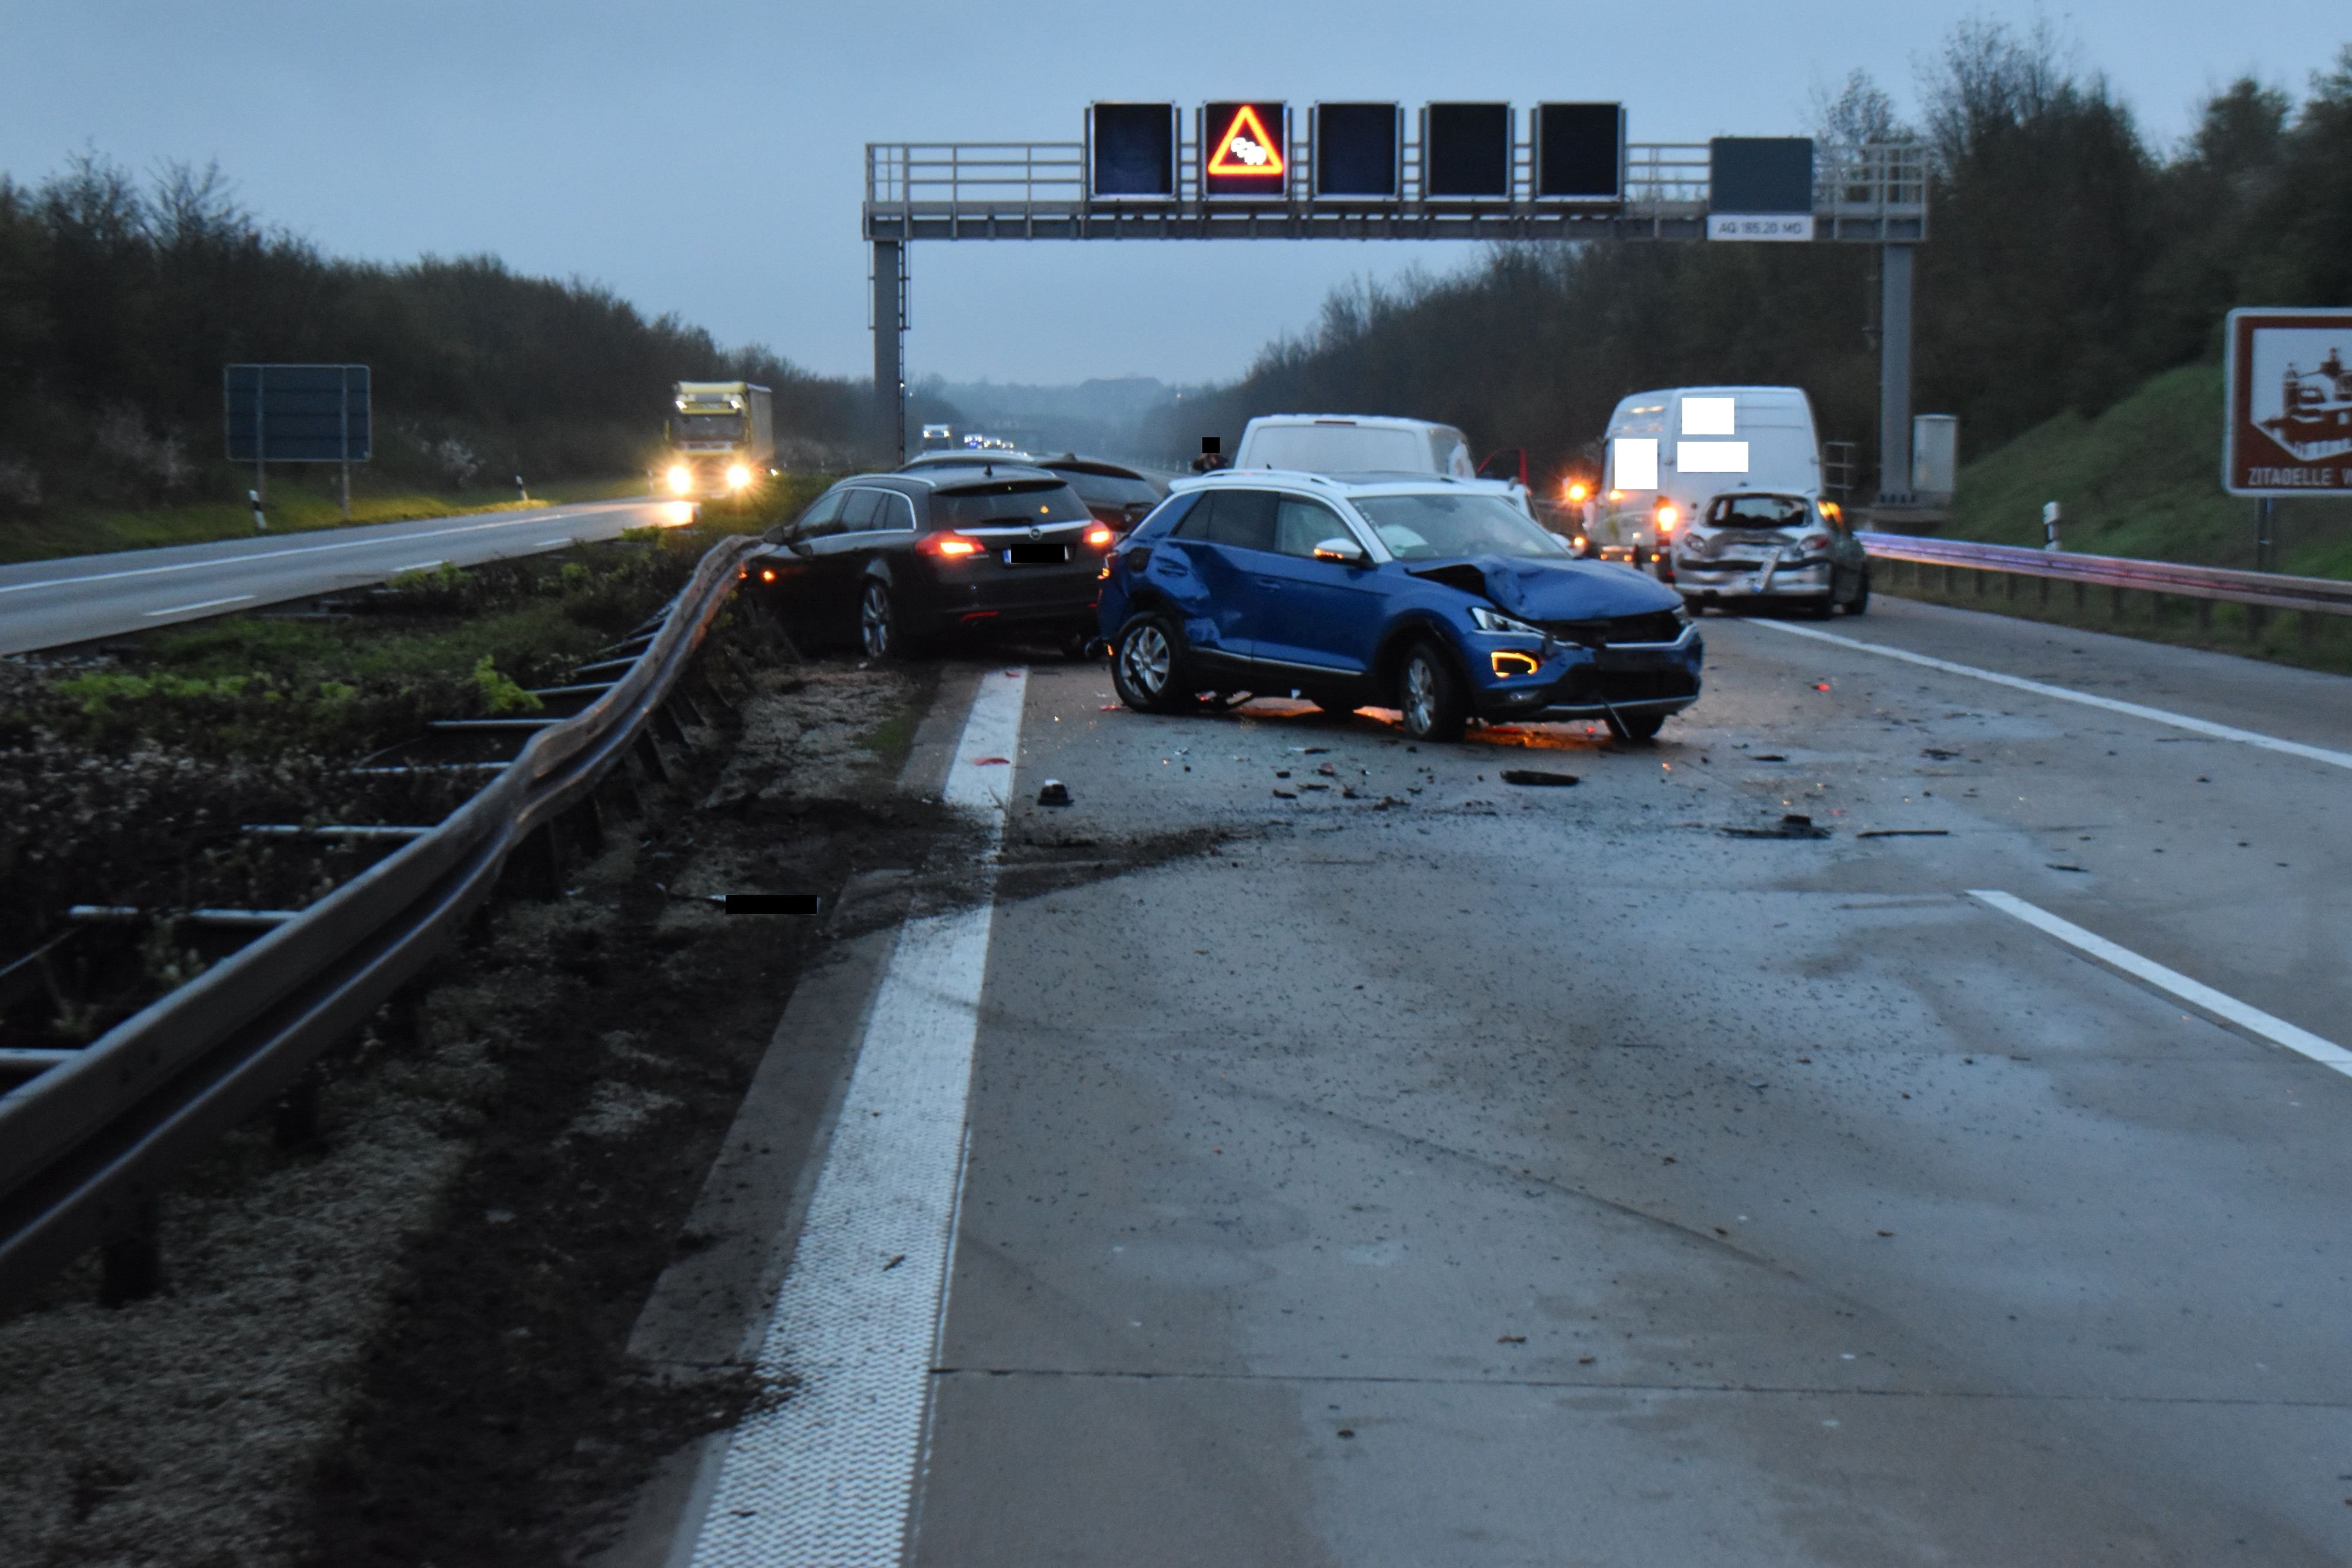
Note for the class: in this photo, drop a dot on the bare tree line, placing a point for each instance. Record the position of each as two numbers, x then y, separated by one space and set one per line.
121 300
2068 261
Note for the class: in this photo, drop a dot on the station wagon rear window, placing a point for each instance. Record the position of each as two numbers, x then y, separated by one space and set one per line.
1004 502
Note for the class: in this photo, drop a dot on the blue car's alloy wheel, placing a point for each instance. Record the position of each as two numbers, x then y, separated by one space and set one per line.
1429 695
1145 663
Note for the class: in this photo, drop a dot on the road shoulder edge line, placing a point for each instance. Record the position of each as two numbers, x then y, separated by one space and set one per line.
2204 998
2067 694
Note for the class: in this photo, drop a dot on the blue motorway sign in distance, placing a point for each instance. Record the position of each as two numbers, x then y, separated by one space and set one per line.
295 413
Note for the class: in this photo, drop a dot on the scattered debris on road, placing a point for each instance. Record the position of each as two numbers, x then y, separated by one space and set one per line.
1793 825
1537 778
1053 793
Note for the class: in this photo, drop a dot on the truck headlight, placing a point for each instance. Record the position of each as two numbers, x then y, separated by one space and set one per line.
739 477
681 478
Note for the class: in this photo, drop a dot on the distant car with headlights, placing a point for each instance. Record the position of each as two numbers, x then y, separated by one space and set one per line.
1437 597
1747 547
891 562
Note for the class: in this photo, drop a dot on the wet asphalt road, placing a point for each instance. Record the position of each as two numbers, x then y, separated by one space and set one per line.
78 599
1516 1175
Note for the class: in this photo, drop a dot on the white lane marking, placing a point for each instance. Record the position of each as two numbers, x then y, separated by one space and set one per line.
251 556
2113 705
419 566
201 605
827 1476
2228 1008
547 544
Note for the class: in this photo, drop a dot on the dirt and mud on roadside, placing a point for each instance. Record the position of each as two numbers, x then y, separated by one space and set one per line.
402 1344
406 1343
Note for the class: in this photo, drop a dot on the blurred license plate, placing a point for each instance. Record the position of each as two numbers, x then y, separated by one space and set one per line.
1037 555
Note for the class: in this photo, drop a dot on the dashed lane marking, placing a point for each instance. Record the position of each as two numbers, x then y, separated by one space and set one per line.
827 1476
2066 693
2204 998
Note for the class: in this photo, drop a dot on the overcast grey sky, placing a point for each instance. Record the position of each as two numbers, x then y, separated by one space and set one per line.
705 156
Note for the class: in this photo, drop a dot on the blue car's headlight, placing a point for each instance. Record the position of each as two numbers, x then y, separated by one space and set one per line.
1487 619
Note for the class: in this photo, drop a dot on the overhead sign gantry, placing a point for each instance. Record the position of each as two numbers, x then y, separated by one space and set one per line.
1260 169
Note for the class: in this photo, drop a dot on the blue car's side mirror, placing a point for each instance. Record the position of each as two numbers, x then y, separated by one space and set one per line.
1347 552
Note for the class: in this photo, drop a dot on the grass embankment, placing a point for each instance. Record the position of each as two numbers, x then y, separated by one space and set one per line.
2142 480
123 778
295 505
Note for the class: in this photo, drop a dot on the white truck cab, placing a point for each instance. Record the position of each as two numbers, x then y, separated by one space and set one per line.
1672 450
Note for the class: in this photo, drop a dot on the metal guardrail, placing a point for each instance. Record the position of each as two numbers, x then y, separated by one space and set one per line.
2271 591
87 1145
1871 191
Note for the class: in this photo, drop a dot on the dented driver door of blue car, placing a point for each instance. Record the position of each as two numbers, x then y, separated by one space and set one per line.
1311 617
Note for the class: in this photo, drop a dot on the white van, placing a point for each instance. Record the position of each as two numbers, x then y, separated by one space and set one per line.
1679 447
1368 444
1354 444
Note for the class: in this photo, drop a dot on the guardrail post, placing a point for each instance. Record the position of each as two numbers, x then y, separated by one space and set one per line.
131 1260
722 714
403 1017
294 1123
2254 619
619 793
649 757
2204 615
537 865
584 826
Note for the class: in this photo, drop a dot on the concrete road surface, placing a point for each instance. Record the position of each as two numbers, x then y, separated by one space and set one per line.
1466 1173
78 599
1542 1175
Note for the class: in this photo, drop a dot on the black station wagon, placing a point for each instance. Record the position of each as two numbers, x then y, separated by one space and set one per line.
892 562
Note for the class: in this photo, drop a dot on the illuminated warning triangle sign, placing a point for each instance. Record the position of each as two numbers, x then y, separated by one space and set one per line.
1245 149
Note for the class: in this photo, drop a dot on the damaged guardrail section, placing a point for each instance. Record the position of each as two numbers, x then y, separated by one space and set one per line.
2209 584
87 1146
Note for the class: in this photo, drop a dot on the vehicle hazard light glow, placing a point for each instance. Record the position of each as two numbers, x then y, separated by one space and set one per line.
1245 151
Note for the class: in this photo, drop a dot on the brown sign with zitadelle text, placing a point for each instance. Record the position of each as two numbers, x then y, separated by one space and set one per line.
2288 410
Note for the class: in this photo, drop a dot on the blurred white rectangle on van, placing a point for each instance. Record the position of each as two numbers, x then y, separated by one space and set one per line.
1711 456
1708 415
1634 460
